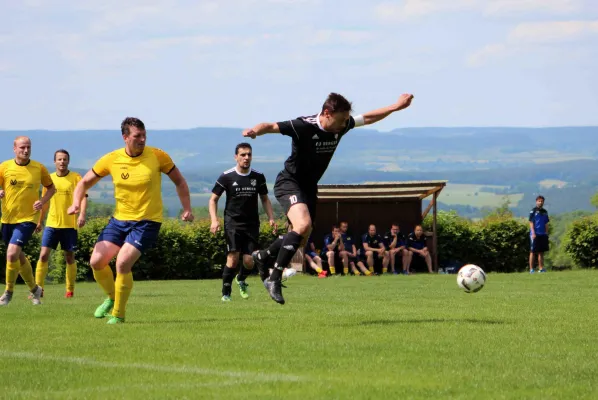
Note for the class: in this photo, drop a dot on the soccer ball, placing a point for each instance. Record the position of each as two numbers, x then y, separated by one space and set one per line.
289 273
471 278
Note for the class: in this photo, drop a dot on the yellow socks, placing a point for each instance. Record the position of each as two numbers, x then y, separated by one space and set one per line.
332 270
41 271
12 273
384 270
124 284
346 271
71 276
105 278
319 270
27 274
371 269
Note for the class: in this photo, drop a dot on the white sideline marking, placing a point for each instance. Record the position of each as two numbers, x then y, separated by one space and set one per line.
154 367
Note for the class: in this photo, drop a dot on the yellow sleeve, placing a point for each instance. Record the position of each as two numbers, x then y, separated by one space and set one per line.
102 166
46 178
166 163
1 175
77 179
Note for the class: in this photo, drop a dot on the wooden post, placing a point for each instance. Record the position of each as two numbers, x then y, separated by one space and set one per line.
434 233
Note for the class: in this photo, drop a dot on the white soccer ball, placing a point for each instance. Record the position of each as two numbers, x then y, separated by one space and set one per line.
289 272
471 278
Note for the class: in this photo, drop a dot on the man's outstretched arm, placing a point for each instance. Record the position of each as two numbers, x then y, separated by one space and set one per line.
261 129
374 116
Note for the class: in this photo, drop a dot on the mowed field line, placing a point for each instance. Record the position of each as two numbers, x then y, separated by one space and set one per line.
243 376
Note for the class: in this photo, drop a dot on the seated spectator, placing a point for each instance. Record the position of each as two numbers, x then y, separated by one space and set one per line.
333 246
396 244
417 243
351 252
312 260
373 245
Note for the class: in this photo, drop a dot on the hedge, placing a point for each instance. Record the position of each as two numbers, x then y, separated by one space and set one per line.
190 251
581 242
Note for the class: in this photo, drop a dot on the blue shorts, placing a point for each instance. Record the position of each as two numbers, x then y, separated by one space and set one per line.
67 237
18 234
312 254
140 234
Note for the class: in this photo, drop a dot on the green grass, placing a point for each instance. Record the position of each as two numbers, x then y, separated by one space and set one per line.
522 336
463 193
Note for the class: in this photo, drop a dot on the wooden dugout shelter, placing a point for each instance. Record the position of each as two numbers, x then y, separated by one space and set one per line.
379 203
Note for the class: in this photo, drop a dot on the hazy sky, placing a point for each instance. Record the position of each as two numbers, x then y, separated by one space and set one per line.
232 63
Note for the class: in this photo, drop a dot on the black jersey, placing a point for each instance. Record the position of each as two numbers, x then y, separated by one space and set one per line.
312 149
242 192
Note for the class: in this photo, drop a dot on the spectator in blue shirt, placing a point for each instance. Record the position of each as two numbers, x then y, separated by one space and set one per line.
373 245
333 246
351 251
417 243
396 244
538 232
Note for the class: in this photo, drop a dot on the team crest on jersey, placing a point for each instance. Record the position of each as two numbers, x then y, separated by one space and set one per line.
253 182
13 182
124 176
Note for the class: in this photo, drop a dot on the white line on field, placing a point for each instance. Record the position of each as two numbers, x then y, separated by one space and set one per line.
154 367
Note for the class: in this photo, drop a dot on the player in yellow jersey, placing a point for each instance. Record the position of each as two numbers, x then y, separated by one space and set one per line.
20 181
136 172
60 226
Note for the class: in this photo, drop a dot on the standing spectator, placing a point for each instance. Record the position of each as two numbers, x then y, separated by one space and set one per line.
538 231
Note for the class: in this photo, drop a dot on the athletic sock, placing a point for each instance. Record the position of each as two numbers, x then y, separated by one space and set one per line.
71 276
105 278
290 244
228 274
123 286
41 271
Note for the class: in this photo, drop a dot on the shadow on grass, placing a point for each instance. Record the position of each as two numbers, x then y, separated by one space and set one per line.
430 321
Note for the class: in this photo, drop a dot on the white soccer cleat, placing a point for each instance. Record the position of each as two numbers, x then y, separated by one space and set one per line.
6 298
37 295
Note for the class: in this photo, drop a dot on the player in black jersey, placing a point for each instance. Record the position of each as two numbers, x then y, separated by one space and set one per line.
315 139
242 185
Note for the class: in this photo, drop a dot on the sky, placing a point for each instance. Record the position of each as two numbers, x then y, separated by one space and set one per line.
178 64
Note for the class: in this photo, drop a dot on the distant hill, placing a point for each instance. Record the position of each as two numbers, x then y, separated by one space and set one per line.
516 159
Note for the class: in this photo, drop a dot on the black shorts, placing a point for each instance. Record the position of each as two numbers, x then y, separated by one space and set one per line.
540 244
288 192
242 240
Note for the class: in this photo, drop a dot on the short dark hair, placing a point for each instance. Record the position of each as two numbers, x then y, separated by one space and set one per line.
129 122
335 226
243 145
336 103
394 224
540 197
62 151
343 222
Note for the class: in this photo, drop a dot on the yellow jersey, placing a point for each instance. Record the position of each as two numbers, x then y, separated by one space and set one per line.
137 182
21 184
62 200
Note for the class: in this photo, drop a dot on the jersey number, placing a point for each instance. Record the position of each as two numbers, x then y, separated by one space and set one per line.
293 199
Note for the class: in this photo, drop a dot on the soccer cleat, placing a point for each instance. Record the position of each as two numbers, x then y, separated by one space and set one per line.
37 295
542 270
104 309
30 297
531 271
323 274
226 298
6 298
68 295
275 290
115 320
242 288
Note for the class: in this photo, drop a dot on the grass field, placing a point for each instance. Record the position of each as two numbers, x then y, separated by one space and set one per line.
417 337
462 193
